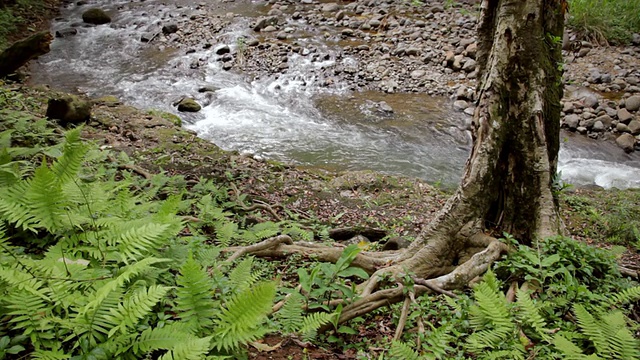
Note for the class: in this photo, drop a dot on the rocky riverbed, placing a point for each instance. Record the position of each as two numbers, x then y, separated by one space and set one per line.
394 46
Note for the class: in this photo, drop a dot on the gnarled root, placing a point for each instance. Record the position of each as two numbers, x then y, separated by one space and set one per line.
375 263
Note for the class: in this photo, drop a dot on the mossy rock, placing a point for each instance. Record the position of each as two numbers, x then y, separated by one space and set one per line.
96 16
188 105
108 100
69 109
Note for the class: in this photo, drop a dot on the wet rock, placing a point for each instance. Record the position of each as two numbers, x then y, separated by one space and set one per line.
263 22
269 28
460 105
635 39
590 101
188 105
330 7
624 116
598 126
169 29
632 103
222 49
605 120
69 109
572 121
469 65
66 32
634 127
384 107
622 128
96 16
418 74
148 37
626 142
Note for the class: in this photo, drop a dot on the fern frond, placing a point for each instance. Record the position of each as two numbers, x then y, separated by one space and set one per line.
68 165
46 200
241 319
403 351
164 338
135 307
141 241
192 349
194 301
241 277
529 314
624 297
289 317
438 341
589 326
569 350
313 322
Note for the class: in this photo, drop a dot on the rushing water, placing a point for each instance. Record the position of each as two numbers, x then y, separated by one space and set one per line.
287 118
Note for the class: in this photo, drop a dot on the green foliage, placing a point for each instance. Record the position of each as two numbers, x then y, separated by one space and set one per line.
328 281
20 13
612 215
605 20
92 264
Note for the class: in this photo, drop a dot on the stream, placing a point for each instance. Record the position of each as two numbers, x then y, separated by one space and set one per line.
289 117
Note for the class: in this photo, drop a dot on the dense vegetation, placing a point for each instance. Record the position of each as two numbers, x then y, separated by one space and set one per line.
16 15
605 20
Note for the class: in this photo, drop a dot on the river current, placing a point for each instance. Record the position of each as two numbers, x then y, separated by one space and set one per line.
290 117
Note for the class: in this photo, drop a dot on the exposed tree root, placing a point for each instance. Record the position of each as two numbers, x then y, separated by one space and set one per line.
372 295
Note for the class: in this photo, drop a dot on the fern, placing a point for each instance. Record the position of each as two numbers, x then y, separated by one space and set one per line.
609 334
194 302
529 314
135 307
240 320
242 277
624 297
403 351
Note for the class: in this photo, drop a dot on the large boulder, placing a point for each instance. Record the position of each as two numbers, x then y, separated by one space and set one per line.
188 105
96 16
69 109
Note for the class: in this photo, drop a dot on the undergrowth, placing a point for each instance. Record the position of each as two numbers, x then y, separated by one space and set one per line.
17 14
611 21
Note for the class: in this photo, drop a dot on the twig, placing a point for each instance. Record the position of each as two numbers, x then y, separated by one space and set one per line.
629 272
138 170
258 205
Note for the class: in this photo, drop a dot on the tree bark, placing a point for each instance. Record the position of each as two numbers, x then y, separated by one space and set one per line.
18 54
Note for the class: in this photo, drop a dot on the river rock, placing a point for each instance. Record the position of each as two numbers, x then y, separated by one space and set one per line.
632 103
264 22
66 32
169 29
598 126
330 7
624 115
606 120
188 105
634 127
622 128
460 105
626 142
635 39
68 109
222 49
96 16
590 101
572 121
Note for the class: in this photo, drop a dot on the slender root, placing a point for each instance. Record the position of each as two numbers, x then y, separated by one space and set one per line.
433 287
403 318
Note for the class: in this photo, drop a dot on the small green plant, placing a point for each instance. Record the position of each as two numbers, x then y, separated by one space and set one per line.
605 20
327 281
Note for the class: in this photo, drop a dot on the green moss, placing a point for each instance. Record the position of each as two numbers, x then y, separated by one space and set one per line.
174 119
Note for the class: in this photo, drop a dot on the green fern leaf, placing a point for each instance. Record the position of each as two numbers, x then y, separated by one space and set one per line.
241 278
625 296
66 168
194 301
590 326
403 351
135 307
164 338
289 317
438 342
192 349
241 319
529 314
313 322
139 242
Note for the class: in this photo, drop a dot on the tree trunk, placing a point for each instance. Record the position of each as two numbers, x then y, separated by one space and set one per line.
508 178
